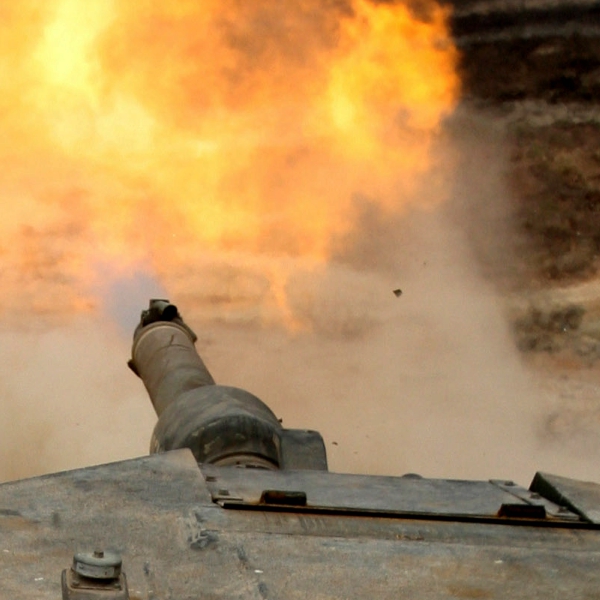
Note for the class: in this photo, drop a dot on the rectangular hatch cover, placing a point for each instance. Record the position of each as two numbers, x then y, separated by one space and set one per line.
581 497
322 491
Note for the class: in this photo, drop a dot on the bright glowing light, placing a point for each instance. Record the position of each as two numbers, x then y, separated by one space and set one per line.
242 128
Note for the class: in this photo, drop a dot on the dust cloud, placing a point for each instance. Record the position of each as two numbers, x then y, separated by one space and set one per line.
278 192
428 381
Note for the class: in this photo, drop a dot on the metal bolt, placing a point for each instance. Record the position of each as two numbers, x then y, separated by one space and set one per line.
97 564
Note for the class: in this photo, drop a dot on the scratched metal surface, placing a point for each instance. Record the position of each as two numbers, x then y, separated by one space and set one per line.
176 543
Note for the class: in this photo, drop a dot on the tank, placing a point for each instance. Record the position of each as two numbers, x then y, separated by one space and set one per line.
229 504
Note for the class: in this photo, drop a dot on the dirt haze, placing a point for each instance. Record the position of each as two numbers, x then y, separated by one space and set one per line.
430 381
484 366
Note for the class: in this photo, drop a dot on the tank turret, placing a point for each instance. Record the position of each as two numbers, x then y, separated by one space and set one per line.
220 424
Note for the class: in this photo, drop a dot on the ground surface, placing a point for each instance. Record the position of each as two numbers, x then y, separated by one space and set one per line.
535 66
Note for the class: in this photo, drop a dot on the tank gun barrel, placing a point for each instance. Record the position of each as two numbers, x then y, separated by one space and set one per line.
222 425
164 356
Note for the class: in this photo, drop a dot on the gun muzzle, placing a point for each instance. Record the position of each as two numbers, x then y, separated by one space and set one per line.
220 424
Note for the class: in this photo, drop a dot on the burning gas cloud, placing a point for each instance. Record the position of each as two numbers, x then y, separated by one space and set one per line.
141 136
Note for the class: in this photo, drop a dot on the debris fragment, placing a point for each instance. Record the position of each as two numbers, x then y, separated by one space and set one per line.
398 293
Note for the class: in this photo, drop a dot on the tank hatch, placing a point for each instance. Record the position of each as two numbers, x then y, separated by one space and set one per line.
582 497
410 496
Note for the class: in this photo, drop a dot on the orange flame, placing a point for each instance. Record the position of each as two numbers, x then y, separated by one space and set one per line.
165 136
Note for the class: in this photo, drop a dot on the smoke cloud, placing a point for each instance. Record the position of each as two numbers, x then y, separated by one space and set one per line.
277 173
429 381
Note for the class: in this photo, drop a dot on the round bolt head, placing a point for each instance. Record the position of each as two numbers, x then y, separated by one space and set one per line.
97 564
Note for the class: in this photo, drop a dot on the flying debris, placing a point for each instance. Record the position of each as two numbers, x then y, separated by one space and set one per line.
398 293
